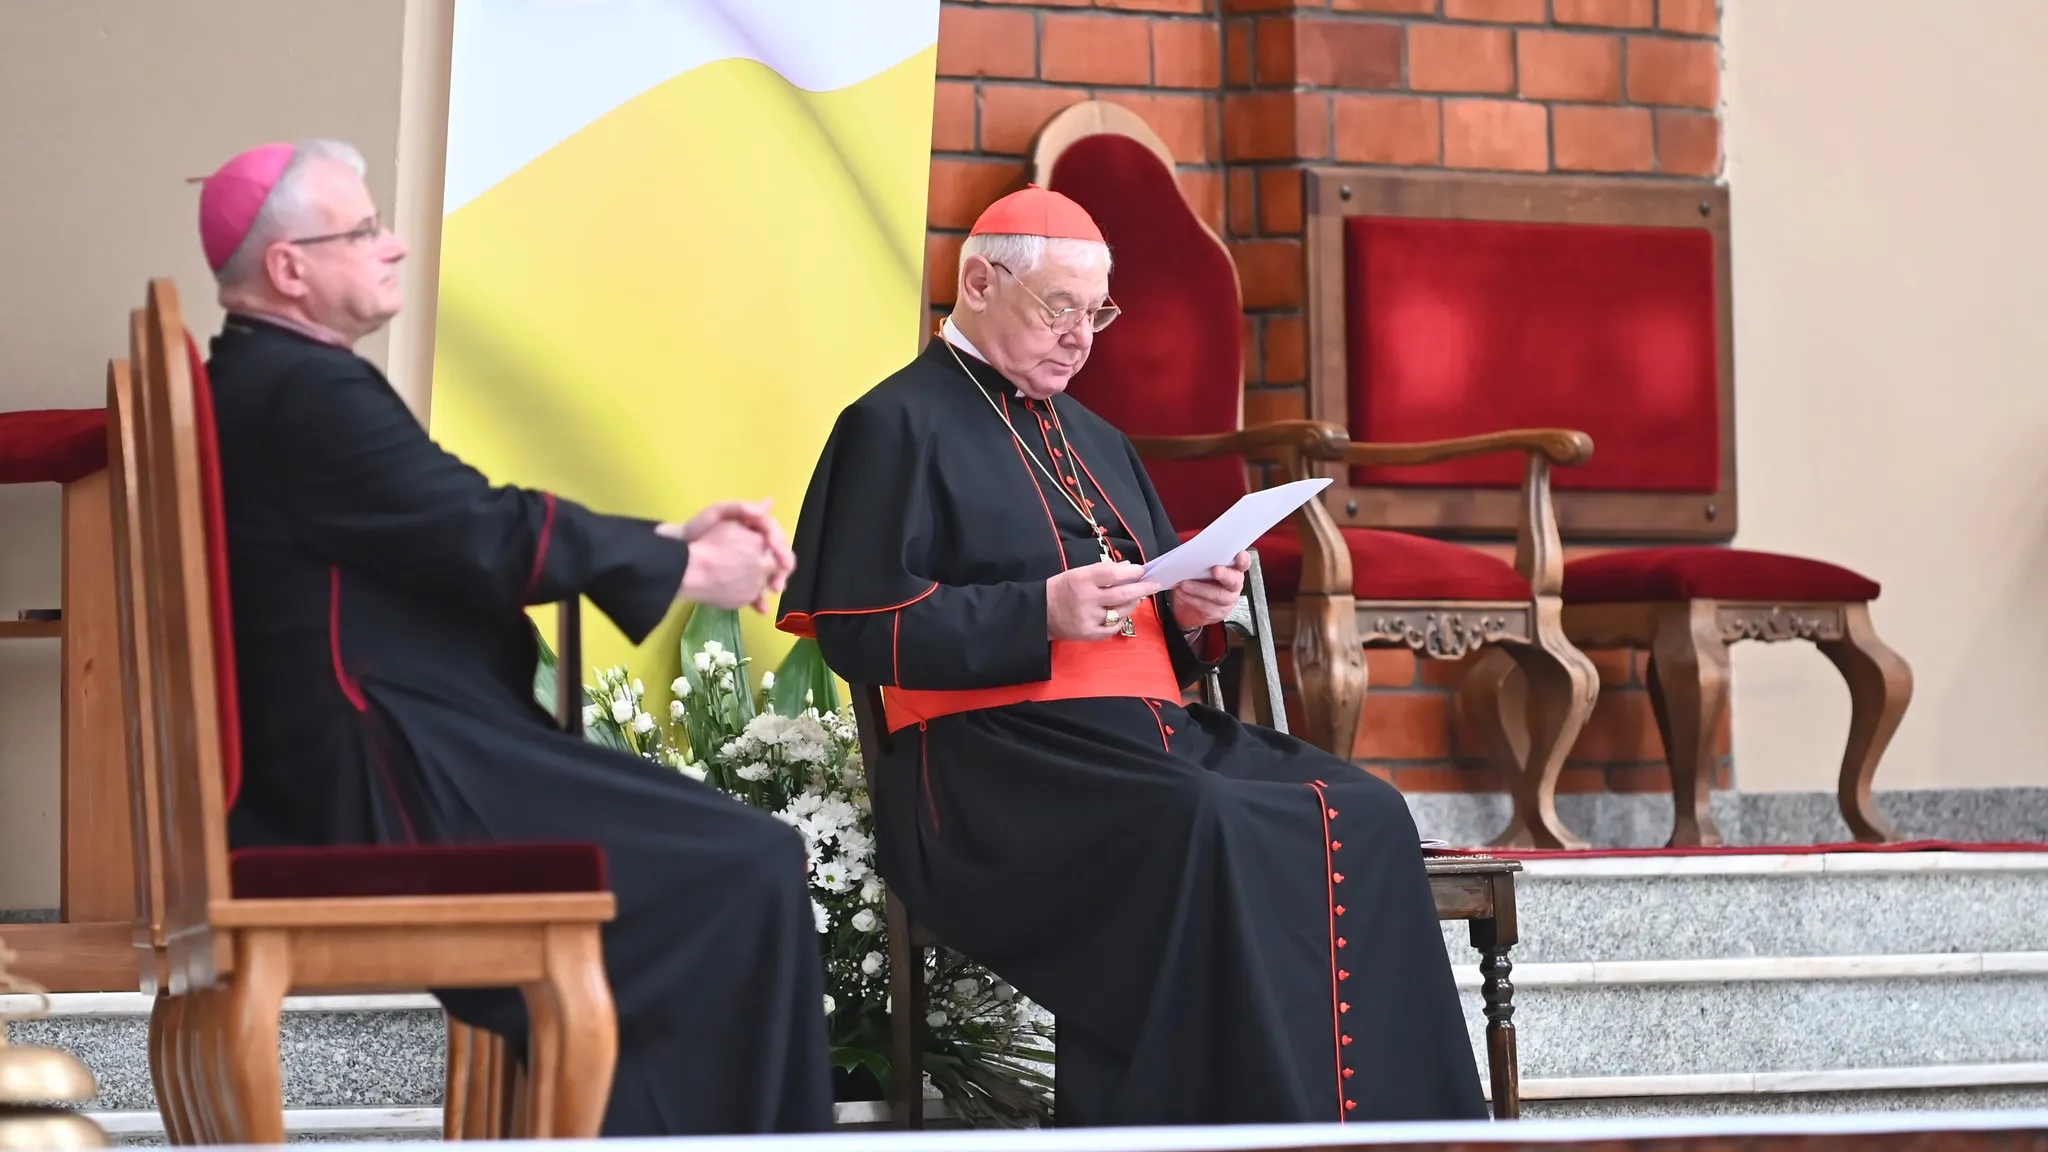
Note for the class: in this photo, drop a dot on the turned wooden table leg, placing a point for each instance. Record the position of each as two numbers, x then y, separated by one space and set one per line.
1880 687
1493 936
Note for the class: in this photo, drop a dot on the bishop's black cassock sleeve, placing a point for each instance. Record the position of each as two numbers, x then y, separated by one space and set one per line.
370 489
863 583
1192 656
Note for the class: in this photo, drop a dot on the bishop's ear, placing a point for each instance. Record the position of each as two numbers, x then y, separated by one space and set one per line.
977 278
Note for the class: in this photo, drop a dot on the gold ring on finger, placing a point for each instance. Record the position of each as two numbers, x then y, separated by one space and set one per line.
1111 618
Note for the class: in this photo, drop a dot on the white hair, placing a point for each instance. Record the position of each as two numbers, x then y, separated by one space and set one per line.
285 210
1021 254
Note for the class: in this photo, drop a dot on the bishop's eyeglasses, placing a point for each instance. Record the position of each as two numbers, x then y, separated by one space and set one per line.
1065 320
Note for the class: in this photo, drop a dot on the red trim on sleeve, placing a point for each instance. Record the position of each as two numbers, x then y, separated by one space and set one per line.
349 687
540 549
805 623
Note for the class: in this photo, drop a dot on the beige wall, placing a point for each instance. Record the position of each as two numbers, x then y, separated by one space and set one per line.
1891 313
106 106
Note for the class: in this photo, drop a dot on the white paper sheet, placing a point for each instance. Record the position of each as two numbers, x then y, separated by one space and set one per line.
1236 530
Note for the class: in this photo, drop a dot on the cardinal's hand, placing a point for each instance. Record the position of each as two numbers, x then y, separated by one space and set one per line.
1200 603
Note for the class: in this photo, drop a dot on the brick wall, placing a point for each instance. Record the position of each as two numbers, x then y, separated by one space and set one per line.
1248 94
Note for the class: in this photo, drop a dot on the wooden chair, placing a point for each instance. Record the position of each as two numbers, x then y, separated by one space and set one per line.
1475 888
68 448
1439 303
242 929
1170 375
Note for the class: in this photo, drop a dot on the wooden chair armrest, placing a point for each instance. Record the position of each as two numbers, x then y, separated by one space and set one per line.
415 911
1314 439
1560 446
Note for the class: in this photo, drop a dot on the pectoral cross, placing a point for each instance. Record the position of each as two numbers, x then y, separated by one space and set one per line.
1130 626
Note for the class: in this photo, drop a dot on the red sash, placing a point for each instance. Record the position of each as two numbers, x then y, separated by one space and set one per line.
1131 666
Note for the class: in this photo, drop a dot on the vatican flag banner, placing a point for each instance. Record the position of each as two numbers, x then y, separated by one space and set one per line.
678 237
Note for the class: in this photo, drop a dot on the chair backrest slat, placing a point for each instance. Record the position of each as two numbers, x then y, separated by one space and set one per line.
134 624
180 642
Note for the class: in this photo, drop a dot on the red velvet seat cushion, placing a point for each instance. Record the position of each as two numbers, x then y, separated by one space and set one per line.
1173 363
1395 566
1709 574
1457 327
52 446
416 870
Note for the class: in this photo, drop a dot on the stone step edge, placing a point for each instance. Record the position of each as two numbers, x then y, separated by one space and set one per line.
1781 864
2018 1074
361 1121
428 1119
1551 974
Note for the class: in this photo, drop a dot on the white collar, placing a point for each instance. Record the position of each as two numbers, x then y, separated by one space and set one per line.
958 339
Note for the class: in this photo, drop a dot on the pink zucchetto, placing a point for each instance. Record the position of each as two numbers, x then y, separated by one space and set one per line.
230 198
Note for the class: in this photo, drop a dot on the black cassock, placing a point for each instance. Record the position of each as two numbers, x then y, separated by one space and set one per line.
1228 924
386 687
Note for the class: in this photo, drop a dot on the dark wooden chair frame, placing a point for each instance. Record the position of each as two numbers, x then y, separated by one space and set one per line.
1477 889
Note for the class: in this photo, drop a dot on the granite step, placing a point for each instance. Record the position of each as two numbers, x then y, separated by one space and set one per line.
1832 904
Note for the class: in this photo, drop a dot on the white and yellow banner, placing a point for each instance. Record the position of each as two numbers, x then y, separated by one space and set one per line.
679 236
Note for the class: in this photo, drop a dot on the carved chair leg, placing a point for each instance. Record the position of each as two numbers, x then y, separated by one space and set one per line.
165 1035
456 1091
1329 671
1494 700
1563 687
195 1067
250 1012
1880 687
568 1097
1688 678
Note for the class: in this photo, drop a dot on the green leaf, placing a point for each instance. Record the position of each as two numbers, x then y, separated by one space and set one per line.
803 670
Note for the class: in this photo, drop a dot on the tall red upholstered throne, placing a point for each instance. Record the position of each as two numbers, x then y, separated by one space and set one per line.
1441 305
1170 374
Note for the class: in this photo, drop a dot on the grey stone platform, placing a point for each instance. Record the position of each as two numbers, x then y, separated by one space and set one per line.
1644 987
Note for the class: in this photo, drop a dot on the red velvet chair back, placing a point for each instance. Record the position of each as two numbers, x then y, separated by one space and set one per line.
1458 327
1172 363
185 632
1473 304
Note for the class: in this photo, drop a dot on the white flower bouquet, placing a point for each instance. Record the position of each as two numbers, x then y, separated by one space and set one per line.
790 748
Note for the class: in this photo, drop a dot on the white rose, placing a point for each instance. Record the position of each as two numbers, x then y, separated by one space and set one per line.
865 921
871 891
639 690
872 963
725 681
695 770
590 714
703 662
622 711
713 647
725 659
967 987
936 1019
643 723
818 913
675 711
829 1005
680 686
1004 991
767 681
